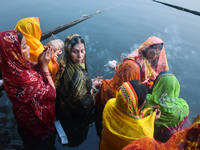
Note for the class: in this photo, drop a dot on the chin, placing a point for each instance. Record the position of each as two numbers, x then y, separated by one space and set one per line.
78 62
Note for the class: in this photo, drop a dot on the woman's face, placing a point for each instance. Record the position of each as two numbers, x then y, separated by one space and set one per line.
151 53
78 53
154 51
25 48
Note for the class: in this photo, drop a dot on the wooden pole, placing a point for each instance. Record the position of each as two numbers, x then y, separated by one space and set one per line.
65 26
180 8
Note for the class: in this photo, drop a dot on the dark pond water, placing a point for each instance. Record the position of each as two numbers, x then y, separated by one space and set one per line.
119 29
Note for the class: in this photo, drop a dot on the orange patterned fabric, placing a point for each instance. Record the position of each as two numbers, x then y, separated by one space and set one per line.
187 139
127 71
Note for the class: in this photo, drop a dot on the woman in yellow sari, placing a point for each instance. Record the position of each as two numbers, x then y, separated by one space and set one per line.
30 28
123 122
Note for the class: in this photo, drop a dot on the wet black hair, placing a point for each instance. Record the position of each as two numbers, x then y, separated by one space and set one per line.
77 40
20 36
141 91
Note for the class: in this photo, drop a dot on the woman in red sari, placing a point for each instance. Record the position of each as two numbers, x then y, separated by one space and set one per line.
152 58
29 87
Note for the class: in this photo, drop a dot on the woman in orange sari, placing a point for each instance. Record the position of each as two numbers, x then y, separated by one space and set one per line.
129 70
30 28
152 58
188 138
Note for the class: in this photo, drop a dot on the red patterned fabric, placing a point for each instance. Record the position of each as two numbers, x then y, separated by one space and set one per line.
28 89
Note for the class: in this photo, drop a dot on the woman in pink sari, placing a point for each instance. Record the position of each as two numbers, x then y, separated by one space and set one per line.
152 58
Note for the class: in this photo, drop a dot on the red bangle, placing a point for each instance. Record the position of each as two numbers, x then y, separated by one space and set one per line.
47 73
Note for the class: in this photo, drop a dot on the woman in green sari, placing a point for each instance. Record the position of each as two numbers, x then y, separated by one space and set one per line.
74 100
174 110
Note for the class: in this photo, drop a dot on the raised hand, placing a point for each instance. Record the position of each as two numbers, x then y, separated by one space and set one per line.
44 58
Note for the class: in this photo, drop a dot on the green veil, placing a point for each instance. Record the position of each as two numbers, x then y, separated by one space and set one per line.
166 90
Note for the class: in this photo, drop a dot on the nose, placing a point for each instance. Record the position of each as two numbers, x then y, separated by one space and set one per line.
79 54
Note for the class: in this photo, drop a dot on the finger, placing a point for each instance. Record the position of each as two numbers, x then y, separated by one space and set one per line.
159 112
41 54
49 52
156 110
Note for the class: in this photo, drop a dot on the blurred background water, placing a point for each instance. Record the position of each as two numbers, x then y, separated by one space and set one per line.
119 29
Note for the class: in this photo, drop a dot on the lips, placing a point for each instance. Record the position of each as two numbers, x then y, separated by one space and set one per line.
79 60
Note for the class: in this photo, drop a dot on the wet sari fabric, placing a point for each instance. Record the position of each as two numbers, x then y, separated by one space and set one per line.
185 139
159 64
123 122
27 88
30 28
174 110
74 101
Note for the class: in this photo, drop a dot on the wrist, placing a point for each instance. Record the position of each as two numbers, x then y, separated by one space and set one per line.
47 73
45 69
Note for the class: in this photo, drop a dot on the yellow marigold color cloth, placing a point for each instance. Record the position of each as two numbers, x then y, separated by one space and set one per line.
123 122
30 28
